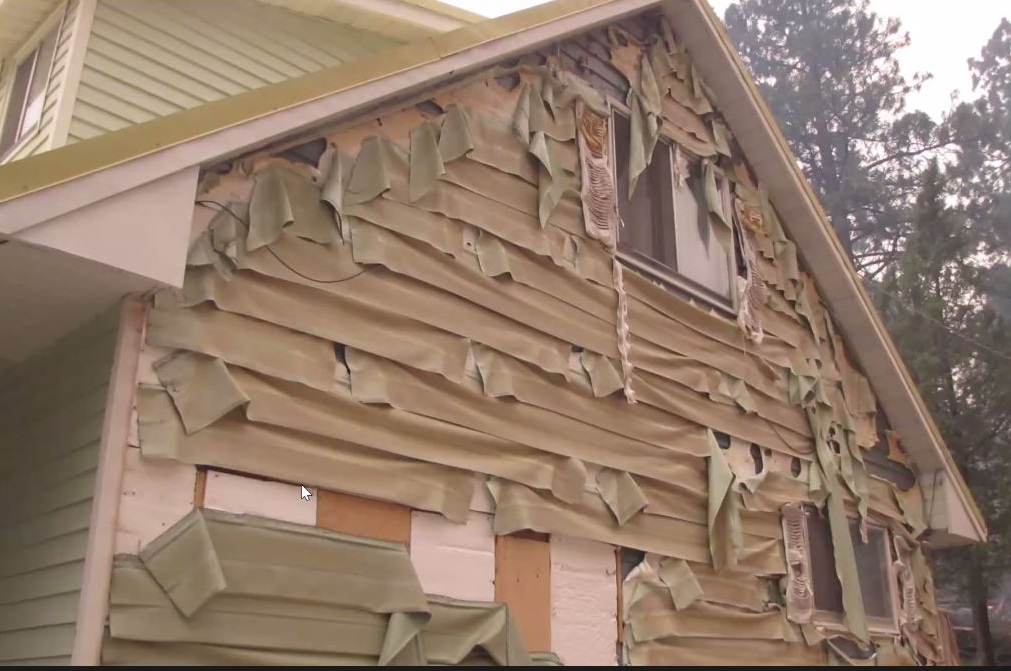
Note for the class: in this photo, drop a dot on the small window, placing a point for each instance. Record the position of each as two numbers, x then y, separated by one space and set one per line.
666 224
27 94
874 568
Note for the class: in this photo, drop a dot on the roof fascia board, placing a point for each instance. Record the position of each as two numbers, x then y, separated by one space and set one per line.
37 188
715 56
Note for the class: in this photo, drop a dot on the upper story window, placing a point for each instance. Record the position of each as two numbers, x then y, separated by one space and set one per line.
26 93
878 583
666 228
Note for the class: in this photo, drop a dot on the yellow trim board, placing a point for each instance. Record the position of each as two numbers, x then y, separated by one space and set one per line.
61 165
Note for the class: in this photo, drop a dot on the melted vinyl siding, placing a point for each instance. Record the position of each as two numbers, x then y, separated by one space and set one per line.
146 60
51 411
38 141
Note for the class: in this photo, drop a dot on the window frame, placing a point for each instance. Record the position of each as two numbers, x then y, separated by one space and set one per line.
655 270
834 621
31 48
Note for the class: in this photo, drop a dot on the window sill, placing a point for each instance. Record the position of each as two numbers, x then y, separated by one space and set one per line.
875 625
682 287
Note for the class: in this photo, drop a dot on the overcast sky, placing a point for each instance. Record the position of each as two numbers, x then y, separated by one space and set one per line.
944 34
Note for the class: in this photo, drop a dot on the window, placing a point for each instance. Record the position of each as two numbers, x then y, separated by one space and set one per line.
27 94
666 222
874 568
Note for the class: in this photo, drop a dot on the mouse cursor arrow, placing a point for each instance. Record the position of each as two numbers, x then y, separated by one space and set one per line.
305 493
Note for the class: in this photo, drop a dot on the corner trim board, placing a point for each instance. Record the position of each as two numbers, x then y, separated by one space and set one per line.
93 606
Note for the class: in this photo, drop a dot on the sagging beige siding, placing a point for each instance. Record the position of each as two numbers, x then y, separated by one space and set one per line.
51 410
150 59
460 326
40 140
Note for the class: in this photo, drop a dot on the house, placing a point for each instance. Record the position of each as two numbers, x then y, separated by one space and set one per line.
526 343
76 69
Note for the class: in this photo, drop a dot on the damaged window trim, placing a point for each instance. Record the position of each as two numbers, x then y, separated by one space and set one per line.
668 277
876 625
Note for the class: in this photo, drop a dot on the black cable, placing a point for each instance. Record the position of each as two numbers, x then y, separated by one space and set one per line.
224 208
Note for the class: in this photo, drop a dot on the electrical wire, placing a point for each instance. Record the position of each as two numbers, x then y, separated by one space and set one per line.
224 208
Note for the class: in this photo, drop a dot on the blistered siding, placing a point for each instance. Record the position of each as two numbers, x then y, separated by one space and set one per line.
51 410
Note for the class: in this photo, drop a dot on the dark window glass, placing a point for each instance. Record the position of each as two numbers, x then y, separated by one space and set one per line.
648 215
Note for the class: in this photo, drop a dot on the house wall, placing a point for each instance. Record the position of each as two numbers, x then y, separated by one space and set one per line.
151 59
41 139
51 410
442 364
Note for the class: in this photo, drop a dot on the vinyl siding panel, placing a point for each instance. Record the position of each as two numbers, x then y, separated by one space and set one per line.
51 409
38 141
151 59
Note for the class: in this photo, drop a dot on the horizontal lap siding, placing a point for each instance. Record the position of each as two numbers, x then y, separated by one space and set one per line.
463 327
38 141
151 59
51 409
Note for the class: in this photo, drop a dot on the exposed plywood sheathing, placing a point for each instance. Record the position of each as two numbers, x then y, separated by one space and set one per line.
523 581
363 517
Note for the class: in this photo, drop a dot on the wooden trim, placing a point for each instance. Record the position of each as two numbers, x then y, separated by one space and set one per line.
200 487
66 96
523 581
93 606
363 517
619 607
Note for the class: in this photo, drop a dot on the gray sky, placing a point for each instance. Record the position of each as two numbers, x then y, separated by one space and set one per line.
943 34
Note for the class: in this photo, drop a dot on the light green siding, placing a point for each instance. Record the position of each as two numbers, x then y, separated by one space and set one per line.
38 141
150 59
51 409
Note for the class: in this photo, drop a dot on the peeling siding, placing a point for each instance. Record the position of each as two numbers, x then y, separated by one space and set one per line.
51 410
457 332
151 59
38 141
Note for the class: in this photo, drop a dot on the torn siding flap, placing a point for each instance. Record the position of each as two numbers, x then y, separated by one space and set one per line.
426 165
682 583
462 631
724 521
621 493
370 175
269 209
201 388
455 140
